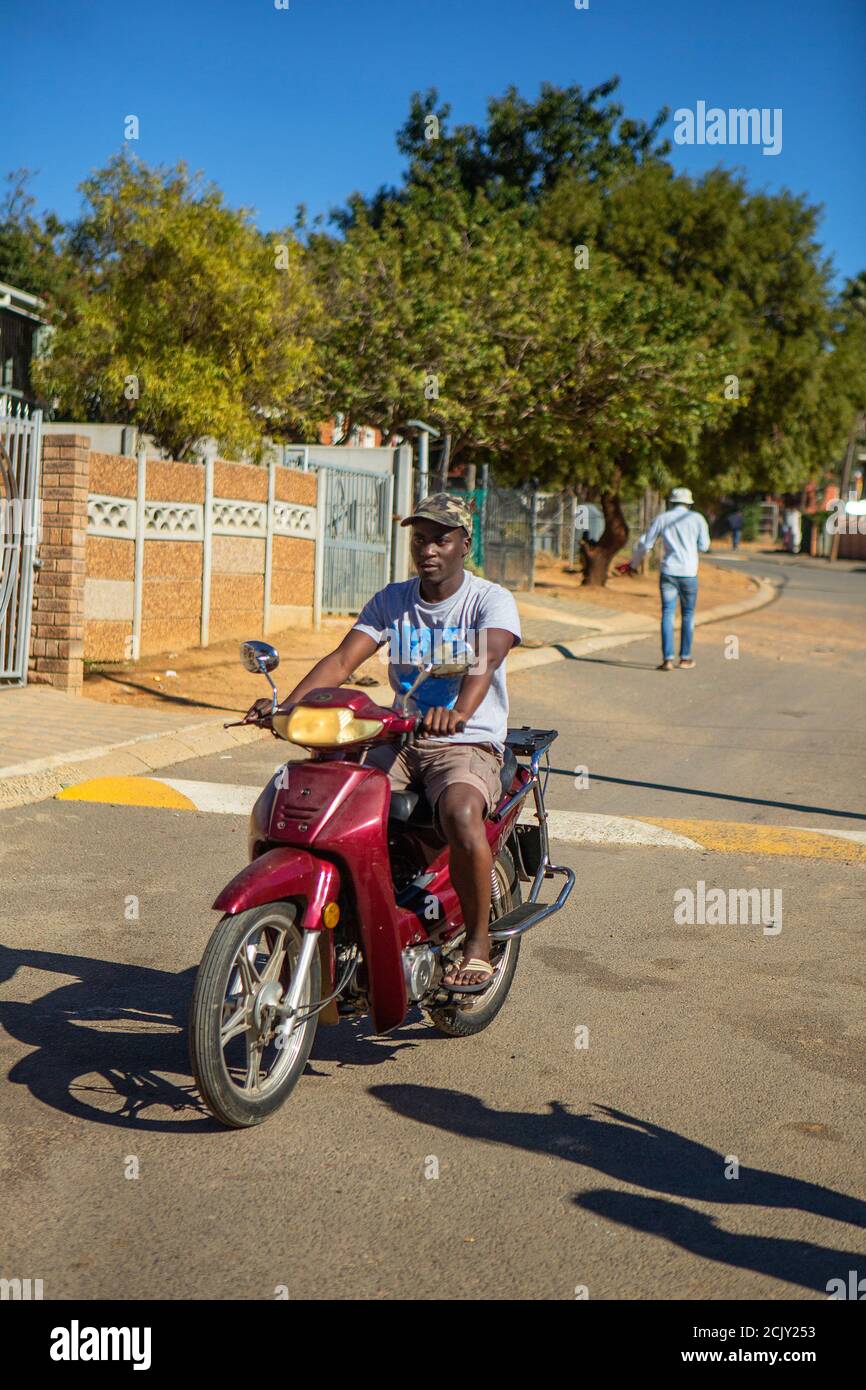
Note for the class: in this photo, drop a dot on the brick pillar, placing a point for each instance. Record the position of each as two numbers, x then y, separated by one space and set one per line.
57 631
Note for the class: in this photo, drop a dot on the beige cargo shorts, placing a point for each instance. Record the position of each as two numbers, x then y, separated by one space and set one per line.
437 766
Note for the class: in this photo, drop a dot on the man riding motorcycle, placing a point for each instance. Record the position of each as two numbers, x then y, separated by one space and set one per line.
458 760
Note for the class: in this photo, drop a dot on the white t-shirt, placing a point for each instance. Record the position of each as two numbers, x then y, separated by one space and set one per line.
418 632
684 532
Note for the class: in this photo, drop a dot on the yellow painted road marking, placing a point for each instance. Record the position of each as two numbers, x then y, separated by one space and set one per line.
726 837
128 791
735 837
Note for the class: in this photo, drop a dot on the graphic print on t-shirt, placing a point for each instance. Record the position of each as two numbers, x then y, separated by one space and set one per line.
419 633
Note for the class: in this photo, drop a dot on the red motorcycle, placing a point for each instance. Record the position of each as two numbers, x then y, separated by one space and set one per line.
346 906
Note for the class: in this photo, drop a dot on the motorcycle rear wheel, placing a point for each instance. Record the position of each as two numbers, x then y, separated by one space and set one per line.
242 1071
479 1010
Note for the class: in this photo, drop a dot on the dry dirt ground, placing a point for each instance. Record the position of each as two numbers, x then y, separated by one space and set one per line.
212 678
640 594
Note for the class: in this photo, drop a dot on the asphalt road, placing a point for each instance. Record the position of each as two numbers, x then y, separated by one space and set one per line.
707 1143
767 728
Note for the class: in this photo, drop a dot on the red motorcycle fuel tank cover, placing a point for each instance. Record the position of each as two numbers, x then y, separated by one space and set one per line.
310 795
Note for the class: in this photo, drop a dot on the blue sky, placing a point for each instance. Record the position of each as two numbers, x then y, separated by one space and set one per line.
301 105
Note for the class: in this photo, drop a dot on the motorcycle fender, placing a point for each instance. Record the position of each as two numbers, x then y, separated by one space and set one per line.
283 873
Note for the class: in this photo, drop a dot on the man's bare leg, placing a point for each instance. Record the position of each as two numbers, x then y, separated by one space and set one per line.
461 815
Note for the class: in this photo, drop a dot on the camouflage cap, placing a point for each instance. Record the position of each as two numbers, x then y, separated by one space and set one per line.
445 509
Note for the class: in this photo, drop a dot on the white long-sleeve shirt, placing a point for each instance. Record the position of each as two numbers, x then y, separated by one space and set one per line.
683 533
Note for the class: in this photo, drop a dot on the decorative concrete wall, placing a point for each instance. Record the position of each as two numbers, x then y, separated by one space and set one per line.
162 555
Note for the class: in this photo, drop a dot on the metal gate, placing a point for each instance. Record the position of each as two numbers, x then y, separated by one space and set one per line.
20 454
355 531
508 538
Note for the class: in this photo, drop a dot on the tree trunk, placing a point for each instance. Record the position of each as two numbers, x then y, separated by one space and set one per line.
597 556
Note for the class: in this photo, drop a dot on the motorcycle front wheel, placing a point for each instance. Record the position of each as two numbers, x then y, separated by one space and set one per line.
244 1070
461 1020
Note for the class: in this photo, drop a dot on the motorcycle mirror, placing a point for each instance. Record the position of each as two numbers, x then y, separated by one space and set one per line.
259 657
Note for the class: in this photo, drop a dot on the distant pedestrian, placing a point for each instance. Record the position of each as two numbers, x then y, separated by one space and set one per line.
683 533
735 525
792 532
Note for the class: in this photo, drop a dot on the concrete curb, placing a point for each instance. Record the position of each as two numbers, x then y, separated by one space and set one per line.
570 827
39 780
47 777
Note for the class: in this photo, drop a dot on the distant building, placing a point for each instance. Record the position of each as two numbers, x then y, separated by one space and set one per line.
362 436
20 326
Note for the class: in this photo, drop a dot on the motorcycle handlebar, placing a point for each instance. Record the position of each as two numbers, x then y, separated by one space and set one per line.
262 718
254 715
419 724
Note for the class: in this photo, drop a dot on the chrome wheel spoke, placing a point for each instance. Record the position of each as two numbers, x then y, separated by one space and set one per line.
274 967
237 1022
248 973
254 1059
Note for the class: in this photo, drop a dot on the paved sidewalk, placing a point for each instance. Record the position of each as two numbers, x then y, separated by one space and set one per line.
50 740
39 725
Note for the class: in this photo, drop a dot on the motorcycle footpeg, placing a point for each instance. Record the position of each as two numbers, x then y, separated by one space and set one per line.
519 920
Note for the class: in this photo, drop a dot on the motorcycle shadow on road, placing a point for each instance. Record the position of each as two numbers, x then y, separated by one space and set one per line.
110 1044
354 1044
635 1151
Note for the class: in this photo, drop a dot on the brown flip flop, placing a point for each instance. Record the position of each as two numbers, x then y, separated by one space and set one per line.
478 966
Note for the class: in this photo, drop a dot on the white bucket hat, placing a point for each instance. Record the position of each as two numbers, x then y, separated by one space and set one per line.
682 496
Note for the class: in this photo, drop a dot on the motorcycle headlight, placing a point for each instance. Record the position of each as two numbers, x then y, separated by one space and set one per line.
312 727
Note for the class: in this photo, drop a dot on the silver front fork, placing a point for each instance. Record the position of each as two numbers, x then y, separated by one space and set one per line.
289 1006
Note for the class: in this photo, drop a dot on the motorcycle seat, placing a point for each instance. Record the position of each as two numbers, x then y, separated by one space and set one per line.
412 806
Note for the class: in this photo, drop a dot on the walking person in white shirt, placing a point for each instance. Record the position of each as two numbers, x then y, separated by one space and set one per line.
683 533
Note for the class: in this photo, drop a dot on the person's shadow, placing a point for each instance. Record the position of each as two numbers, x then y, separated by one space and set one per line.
647 1155
790 1261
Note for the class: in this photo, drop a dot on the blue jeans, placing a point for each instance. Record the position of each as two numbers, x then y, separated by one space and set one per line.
685 588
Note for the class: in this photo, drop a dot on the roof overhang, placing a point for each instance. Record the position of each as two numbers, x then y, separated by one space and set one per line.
21 302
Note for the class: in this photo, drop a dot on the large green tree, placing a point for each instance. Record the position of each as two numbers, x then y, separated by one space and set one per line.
469 313
845 374
725 300
522 149
756 257
193 323
443 308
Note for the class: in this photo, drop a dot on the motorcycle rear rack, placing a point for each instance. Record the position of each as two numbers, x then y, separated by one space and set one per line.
528 915
532 743
526 742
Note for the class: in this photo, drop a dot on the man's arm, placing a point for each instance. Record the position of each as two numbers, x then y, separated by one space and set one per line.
441 721
355 648
644 544
703 534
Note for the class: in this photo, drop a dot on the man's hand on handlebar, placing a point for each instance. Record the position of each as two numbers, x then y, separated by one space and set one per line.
441 722
255 714
259 709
